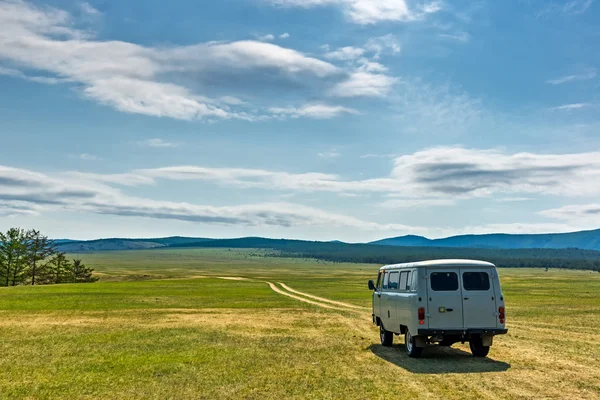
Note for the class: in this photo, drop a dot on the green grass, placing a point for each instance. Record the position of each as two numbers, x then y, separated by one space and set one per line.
161 325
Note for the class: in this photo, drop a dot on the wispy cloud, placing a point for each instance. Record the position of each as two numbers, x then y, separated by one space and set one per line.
284 35
364 84
574 106
462 37
267 38
157 142
345 53
89 157
28 192
139 79
439 173
15 73
416 203
316 111
575 212
331 154
572 7
577 6
89 9
366 12
589 73
372 155
512 199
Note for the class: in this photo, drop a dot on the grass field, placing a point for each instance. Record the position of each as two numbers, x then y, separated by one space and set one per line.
163 324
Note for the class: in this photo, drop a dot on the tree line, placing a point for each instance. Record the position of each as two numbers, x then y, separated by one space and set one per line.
29 258
375 254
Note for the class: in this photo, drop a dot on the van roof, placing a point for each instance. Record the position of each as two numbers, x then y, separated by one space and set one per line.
440 263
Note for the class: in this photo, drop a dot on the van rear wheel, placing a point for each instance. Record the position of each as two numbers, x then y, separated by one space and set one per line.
410 345
386 337
477 347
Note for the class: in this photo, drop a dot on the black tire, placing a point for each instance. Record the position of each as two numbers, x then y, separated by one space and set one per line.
477 347
410 345
387 338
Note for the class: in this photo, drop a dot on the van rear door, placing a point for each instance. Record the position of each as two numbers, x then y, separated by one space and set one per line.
444 299
479 298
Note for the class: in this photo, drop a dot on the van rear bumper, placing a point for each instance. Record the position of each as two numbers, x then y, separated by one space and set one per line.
462 332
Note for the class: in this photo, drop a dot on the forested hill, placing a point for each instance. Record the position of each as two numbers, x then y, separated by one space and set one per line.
368 253
588 240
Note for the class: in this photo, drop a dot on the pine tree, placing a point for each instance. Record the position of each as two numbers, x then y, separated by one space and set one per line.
59 269
40 249
81 273
13 256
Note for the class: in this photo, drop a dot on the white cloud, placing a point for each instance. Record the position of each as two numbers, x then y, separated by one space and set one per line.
439 173
366 12
156 142
583 74
317 111
416 203
577 6
450 171
365 84
462 37
371 155
345 53
444 110
578 212
574 106
15 73
329 155
28 192
284 35
512 199
370 66
89 9
139 79
267 38
387 44
89 157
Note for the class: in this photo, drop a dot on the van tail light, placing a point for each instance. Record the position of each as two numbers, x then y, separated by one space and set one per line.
501 314
421 315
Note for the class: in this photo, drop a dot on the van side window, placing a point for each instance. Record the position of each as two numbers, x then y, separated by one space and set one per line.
404 280
444 281
476 281
386 275
393 283
412 280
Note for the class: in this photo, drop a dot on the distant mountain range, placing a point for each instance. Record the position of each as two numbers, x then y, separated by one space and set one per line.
586 240
76 246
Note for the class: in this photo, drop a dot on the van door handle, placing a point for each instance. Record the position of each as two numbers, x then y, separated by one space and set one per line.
449 309
378 294
466 298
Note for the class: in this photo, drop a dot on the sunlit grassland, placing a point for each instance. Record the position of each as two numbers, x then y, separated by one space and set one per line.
160 324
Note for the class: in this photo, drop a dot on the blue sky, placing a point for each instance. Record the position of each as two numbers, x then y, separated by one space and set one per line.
313 119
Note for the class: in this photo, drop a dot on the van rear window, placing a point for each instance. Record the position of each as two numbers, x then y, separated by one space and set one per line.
476 281
444 281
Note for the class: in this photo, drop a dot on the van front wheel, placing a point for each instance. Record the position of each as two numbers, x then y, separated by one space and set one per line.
477 347
410 345
386 337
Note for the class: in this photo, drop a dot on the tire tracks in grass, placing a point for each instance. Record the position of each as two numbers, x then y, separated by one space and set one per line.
321 299
304 297
293 296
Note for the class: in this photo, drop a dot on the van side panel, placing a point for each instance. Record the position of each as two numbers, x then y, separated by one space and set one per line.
499 298
412 317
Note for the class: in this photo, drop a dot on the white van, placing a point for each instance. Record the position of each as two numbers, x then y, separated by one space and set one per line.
439 301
